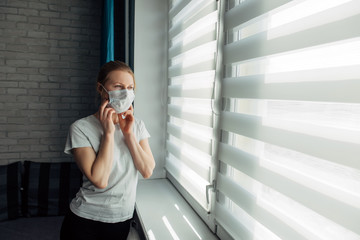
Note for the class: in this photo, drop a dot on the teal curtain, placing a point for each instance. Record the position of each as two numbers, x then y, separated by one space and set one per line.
107 38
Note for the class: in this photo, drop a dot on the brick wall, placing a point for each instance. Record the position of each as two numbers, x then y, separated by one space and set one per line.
49 59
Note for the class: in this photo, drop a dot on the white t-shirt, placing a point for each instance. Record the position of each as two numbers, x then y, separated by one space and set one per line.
116 202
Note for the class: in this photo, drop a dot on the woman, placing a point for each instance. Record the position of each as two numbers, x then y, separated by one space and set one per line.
109 147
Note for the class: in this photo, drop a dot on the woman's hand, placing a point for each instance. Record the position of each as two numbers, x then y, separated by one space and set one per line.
106 118
126 121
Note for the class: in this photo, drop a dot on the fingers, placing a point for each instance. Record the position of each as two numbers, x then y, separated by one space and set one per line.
130 111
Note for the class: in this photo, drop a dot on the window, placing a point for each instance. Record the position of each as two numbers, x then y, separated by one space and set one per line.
192 62
287 157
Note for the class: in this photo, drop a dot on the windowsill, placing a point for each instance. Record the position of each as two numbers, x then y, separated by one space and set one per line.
164 213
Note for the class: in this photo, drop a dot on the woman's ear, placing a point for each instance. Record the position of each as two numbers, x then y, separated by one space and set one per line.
100 89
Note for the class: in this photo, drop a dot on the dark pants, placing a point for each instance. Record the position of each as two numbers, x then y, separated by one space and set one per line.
75 227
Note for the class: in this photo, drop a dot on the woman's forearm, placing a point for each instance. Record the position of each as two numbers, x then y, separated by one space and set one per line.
101 168
142 158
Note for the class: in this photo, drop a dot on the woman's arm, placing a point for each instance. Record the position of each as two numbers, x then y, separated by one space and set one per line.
141 154
97 168
140 151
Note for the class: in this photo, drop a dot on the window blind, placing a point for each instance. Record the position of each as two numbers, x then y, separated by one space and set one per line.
191 72
290 141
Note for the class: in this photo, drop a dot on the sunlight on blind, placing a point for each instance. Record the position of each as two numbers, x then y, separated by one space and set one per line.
291 128
191 58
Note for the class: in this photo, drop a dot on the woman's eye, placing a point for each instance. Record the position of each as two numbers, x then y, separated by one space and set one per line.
119 86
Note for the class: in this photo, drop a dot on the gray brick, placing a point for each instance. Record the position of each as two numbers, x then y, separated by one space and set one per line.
59 106
39 120
59 92
14 32
50 71
12 84
80 37
37 5
17 47
69 85
15 105
38 78
79 106
35 34
9 155
16 18
4 149
58 8
66 44
14 3
28 12
49 99
39 148
16 91
60 36
17 120
59 64
70 99
28 84
19 148
80 10
27 99
30 141
12 10
27 26
7 25
16 63
38 63
60 51
50 28
21 134
38 106
49 85
71 30
27 70
58 148
30 155
16 77
39 92
39 49
69 15
50 154
60 22
6 141
69 113
58 78
50 14
39 20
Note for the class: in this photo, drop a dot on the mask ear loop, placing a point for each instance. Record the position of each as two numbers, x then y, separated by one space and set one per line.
105 90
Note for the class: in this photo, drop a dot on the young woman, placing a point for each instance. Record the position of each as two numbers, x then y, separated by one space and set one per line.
109 147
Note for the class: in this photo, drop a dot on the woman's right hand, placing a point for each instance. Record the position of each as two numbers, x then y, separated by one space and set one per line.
106 118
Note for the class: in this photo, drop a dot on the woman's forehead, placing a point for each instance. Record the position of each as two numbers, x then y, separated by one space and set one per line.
119 76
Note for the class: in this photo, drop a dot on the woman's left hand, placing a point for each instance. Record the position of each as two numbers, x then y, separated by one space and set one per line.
126 121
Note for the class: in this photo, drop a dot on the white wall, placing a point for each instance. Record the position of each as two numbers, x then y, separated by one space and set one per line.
150 67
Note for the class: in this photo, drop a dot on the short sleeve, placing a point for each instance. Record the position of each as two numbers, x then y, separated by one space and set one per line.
76 139
142 132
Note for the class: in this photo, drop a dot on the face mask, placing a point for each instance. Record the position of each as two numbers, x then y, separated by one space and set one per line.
120 100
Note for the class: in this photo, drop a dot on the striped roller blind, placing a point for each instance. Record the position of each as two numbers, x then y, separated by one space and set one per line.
290 142
191 72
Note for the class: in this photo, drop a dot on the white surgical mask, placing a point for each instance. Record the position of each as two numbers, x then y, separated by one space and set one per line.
120 100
